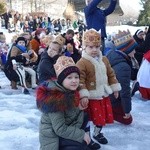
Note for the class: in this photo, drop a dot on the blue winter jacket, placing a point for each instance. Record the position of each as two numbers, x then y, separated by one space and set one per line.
123 73
96 17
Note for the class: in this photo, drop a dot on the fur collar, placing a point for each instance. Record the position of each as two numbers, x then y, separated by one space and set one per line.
51 97
100 68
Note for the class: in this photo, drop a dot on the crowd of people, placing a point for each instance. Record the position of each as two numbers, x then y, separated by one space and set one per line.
81 81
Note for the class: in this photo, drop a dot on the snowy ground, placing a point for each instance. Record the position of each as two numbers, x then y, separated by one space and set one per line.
19 120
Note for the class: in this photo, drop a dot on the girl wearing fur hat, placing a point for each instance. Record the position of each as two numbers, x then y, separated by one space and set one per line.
97 82
62 121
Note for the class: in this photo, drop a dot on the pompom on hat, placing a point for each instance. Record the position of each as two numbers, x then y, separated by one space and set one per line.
91 37
63 67
124 41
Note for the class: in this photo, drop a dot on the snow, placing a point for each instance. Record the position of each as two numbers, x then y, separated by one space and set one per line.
19 119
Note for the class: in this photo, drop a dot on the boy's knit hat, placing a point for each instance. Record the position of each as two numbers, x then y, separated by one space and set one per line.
63 67
124 41
91 36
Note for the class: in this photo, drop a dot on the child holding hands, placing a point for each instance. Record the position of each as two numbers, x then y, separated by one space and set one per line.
98 81
61 125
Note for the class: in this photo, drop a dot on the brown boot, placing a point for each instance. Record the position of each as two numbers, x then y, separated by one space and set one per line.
14 85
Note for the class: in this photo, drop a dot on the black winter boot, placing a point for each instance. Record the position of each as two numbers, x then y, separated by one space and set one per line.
100 138
94 146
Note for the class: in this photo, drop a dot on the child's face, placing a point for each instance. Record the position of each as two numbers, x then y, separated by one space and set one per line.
53 49
71 82
21 43
69 37
93 51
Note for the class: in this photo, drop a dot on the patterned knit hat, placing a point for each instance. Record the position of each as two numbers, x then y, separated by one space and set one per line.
91 36
124 41
63 67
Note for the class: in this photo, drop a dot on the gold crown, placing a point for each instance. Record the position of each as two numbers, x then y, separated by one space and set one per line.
122 37
62 63
60 39
91 36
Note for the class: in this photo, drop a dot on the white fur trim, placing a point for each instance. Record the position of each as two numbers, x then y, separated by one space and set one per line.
116 87
84 93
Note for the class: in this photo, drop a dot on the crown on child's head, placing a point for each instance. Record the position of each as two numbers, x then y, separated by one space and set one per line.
122 37
60 39
91 36
63 67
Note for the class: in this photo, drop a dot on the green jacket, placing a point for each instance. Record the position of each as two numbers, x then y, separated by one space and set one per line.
64 123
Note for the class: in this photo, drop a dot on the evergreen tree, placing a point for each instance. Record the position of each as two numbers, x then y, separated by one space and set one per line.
144 17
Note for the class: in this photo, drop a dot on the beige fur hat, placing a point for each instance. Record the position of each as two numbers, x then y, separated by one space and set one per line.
63 67
91 37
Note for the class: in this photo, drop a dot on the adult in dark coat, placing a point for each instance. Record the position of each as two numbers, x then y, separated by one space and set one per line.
70 46
139 50
6 17
122 105
96 17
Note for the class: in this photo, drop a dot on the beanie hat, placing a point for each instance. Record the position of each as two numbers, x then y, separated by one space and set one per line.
21 39
39 31
63 67
91 36
139 32
124 41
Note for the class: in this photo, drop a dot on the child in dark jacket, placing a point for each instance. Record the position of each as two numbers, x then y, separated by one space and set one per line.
61 125
48 59
121 61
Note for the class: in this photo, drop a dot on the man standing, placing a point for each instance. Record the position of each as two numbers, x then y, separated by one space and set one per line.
6 17
96 17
